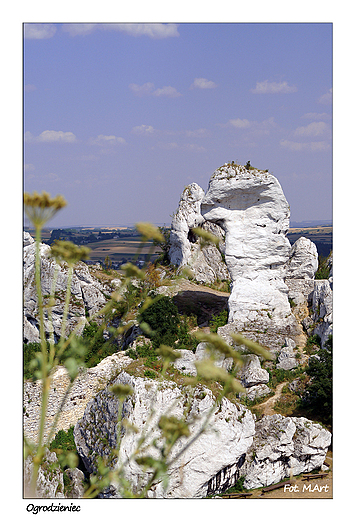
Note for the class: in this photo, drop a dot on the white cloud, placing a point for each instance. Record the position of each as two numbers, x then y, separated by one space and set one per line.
51 136
316 146
29 167
103 140
264 87
152 30
39 31
200 132
28 137
166 91
148 89
203 83
316 116
240 123
79 29
312 130
327 98
142 90
143 130
255 127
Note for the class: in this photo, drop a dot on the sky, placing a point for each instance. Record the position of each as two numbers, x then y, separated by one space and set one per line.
119 118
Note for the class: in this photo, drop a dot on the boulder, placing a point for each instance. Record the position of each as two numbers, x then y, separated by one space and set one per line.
287 357
252 374
187 217
76 488
250 206
303 260
87 384
283 446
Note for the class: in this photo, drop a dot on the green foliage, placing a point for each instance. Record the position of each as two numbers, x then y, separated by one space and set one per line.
219 320
318 397
323 269
96 347
64 441
162 316
279 375
29 357
164 246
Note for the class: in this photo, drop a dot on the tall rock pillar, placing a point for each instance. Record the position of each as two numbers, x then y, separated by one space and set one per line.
250 206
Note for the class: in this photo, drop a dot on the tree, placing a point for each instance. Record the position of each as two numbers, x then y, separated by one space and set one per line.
108 263
163 258
162 316
318 397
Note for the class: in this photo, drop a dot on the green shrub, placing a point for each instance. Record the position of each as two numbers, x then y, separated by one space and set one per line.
162 316
323 269
64 441
318 396
219 320
29 354
96 347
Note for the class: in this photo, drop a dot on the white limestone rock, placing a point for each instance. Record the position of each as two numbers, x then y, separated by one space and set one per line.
251 208
223 444
283 445
303 261
287 358
206 264
256 391
187 216
87 293
252 374
322 306
50 483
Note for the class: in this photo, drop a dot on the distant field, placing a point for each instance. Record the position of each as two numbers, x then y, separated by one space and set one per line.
119 248
320 235
125 247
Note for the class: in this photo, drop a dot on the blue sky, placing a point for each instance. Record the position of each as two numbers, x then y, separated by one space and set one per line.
120 118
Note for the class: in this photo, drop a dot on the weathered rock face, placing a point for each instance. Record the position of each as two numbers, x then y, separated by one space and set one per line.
283 445
85 387
251 208
206 264
233 445
322 306
223 444
187 216
303 261
50 482
287 357
300 270
87 294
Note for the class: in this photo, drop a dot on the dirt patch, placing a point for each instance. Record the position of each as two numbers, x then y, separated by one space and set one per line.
267 407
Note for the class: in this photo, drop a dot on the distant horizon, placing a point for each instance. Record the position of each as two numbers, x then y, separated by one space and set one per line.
293 224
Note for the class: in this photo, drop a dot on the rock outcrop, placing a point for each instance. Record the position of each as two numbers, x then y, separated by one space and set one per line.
251 208
300 270
232 446
50 483
87 293
88 383
205 264
322 307
282 447
222 444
